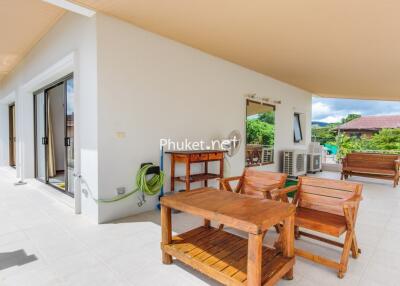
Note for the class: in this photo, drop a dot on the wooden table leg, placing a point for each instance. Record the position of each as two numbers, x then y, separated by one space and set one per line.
206 171
172 173
166 230
287 237
221 171
187 178
254 259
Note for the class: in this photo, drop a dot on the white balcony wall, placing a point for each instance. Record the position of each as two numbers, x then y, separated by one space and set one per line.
151 87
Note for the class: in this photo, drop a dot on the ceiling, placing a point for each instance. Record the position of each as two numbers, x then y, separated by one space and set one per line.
22 24
334 48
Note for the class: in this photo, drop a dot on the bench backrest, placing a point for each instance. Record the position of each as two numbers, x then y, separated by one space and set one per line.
372 160
326 195
253 179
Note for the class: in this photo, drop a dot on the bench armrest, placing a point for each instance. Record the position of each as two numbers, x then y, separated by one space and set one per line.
352 202
397 165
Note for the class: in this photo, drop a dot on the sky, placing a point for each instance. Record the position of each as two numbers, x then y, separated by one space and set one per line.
331 110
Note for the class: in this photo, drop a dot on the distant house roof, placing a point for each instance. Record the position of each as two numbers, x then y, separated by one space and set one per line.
372 123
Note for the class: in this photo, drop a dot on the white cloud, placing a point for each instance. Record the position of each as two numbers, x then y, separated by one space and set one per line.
333 110
332 119
320 109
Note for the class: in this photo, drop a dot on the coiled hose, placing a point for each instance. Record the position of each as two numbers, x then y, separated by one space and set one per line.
149 187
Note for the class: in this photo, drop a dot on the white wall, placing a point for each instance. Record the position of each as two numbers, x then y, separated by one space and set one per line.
75 35
151 88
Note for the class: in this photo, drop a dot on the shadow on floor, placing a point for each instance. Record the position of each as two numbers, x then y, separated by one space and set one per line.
15 258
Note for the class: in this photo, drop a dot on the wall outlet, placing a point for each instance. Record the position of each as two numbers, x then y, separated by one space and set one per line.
121 190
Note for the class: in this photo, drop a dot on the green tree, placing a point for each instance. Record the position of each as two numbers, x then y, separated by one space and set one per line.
386 139
259 132
324 135
268 117
346 145
350 117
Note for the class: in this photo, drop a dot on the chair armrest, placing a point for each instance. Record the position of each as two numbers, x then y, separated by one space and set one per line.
352 202
282 193
230 179
224 182
269 188
288 190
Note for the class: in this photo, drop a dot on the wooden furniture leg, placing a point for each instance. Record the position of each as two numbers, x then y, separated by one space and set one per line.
207 223
254 259
348 242
166 230
288 242
221 171
172 173
187 178
206 171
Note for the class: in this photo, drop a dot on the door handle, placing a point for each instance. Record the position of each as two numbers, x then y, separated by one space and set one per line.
45 140
67 141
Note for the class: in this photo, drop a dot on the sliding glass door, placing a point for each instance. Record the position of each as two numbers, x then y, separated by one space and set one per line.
40 136
54 134
69 135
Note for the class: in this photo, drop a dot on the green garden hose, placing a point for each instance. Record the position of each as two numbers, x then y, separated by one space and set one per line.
149 187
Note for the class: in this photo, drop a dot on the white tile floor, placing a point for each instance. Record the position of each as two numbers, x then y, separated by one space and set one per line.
43 243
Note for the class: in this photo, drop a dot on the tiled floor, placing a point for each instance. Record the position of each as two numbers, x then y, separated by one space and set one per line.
43 243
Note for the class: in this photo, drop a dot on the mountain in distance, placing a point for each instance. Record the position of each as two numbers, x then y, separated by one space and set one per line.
319 123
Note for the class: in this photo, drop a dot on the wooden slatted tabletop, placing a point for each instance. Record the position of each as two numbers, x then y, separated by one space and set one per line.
230 259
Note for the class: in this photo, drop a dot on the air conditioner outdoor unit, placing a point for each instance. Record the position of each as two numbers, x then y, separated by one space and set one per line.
295 162
314 162
314 157
267 155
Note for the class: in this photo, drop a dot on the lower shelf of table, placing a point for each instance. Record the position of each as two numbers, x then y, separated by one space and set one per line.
198 177
223 256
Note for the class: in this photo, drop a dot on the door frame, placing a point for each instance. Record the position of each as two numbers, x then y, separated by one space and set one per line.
45 90
11 136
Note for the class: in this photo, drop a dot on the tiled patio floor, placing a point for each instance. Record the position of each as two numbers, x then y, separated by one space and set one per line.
43 243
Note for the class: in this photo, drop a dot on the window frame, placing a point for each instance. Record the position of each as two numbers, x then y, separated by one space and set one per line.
245 127
297 120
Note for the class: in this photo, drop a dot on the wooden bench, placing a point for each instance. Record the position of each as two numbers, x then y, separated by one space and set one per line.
373 165
329 207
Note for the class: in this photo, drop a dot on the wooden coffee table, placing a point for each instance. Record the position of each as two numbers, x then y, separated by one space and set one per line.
228 258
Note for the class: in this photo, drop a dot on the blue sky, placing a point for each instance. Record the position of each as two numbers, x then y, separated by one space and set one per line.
332 110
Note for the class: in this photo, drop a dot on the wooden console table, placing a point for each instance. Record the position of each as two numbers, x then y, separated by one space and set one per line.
190 157
228 258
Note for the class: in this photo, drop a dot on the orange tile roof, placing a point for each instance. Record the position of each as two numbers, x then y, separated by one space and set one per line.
372 122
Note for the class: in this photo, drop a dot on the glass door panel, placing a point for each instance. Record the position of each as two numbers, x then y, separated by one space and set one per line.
69 136
40 129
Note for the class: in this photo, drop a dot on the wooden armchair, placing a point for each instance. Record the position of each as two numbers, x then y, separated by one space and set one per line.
329 207
256 183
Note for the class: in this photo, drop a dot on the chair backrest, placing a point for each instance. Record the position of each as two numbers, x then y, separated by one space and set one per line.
373 160
253 179
326 195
